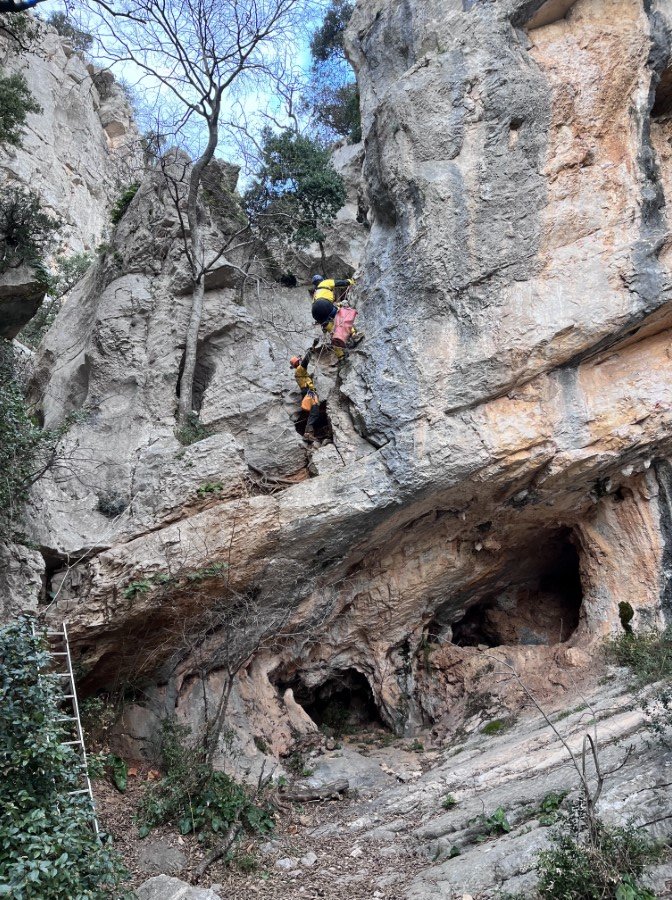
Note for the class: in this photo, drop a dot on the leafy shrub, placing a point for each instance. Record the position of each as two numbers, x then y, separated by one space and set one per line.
16 101
123 202
337 110
22 30
80 40
25 449
192 431
494 727
648 654
658 710
326 43
68 271
607 869
449 802
332 94
297 192
144 585
547 810
210 487
495 824
26 232
195 797
48 849
246 863
111 505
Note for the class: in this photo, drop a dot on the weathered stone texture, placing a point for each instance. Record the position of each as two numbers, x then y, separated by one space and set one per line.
80 149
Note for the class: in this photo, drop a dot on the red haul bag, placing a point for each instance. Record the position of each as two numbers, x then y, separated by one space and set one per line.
343 322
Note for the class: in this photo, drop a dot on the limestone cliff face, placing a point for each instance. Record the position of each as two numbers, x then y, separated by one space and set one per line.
76 154
82 147
499 471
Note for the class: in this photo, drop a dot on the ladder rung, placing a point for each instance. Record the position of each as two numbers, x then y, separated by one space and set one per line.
71 742
83 791
67 697
60 674
59 653
66 719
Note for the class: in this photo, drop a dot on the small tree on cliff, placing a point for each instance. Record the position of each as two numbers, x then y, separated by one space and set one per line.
332 93
200 53
297 192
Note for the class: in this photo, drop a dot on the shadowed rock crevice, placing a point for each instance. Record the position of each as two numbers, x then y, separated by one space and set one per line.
323 430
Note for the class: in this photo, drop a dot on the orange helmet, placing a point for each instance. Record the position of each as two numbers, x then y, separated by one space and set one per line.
294 361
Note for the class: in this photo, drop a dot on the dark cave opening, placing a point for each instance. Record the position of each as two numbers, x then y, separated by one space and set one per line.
341 704
662 104
322 428
541 607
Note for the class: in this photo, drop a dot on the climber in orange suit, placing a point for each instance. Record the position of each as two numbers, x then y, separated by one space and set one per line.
310 402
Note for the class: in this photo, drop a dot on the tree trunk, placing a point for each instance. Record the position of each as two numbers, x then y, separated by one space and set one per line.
185 406
187 381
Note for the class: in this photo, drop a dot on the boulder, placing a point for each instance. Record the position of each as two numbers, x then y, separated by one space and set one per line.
21 295
159 857
162 887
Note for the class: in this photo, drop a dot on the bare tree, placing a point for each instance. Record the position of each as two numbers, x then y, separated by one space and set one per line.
200 53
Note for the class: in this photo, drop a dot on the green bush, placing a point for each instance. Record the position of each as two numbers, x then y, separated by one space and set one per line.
297 192
648 654
123 202
111 505
24 448
494 727
547 810
80 40
192 431
449 802
48 848
332 95
16 101
68 271
607 869
193 796
495 825
26 232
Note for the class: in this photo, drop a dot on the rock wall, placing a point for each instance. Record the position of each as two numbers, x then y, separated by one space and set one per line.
499 473
76 154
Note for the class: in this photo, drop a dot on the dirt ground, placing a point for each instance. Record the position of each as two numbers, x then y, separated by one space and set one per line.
343 866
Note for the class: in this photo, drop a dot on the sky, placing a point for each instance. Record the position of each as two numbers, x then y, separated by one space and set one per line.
244 108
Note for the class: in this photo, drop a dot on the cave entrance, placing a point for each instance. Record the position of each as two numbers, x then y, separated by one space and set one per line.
322 428
343 704
541 607
662 104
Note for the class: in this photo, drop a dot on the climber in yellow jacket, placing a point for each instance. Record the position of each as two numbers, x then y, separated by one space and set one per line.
309 399
325 306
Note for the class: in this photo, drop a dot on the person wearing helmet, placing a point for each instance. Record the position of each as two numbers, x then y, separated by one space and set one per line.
309 399
325 306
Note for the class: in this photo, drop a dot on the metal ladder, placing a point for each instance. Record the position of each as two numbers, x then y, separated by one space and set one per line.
58 648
